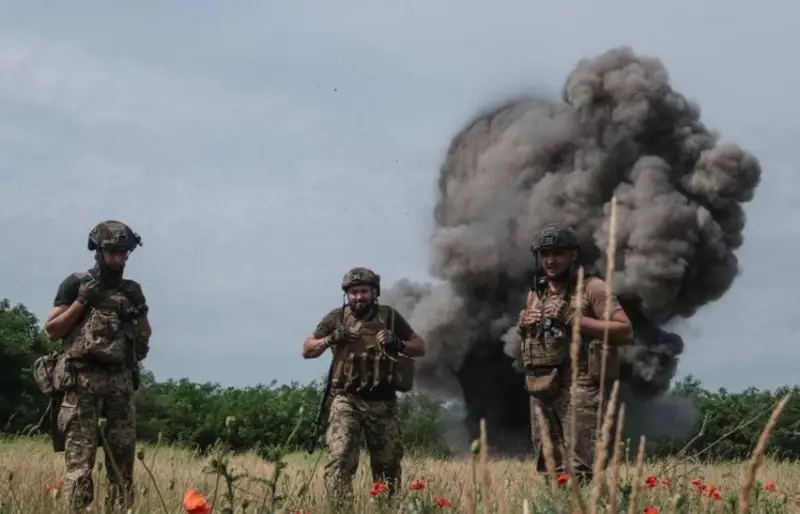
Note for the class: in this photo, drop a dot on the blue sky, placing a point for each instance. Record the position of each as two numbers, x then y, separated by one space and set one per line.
262 149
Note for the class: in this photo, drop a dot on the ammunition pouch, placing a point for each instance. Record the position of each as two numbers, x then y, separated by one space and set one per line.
101 339
52 374
402 373
547 352
364 371
543 384
595 361
43 370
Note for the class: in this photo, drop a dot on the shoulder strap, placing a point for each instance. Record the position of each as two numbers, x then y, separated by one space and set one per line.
387 312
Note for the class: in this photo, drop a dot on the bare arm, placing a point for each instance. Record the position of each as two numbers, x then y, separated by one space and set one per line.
143 333
61 319
316 344
314 347
414 344
620 329
415 347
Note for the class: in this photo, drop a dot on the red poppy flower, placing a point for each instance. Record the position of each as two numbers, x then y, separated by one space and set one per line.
378 488
417 485
194 503
441 502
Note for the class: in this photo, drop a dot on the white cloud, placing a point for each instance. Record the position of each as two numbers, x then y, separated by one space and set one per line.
102 93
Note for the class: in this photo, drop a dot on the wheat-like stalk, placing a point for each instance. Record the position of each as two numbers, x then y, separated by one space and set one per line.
574 352
601 449
758 455
637 477
611 250
614 482
547 449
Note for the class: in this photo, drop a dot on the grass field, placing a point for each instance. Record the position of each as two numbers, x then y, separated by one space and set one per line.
31 474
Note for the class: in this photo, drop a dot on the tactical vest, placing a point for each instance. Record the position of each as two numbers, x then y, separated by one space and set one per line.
545 348
105 335
102 337
363 365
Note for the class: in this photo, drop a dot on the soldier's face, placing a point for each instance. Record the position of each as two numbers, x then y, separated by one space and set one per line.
360 297
115 259
556 261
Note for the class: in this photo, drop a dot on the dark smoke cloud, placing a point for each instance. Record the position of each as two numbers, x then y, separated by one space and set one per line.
621 130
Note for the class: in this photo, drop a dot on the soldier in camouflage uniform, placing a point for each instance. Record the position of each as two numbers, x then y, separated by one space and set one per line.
101 318
545 330
373 348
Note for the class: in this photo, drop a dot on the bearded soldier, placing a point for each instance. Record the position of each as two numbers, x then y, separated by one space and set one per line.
372 347
545 328
102 319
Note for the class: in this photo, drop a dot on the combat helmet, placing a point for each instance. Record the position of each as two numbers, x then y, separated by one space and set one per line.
553 237
113 235
361 276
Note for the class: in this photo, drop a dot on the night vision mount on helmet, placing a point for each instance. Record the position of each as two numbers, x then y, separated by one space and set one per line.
361 276
113 235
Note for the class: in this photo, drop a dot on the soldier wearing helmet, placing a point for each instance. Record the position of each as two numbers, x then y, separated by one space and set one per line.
545 330
373 347
101 319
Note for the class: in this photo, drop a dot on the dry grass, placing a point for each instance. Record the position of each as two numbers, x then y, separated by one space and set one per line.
30 469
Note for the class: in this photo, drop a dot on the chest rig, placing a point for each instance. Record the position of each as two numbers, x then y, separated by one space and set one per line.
545 347
363 365
105 334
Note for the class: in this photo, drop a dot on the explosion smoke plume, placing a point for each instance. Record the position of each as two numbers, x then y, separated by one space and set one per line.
621 130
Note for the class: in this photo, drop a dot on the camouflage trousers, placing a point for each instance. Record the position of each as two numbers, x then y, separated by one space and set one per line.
557 411
353 420
99 401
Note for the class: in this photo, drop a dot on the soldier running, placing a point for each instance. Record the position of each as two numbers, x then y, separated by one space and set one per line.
373 348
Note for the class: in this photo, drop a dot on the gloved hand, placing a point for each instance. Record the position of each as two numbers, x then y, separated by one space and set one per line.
89 291
341 336
390 341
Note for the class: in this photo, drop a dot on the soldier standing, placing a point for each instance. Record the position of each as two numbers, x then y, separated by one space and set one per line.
373 348
102 319
545 328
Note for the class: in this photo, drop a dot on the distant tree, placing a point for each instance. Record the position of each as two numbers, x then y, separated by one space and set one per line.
21 342
194 414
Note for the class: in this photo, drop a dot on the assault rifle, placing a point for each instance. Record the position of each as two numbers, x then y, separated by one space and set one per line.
49 422
315 434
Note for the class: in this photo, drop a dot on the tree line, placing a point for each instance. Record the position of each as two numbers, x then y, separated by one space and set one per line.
263 417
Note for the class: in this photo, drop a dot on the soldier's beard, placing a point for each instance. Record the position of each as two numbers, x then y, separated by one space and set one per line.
109 276
559 277
361 307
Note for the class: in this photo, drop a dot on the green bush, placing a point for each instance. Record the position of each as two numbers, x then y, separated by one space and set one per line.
192 414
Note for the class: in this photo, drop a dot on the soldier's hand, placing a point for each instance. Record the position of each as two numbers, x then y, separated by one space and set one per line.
390 341
89 291
550 310
341 336
531 317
